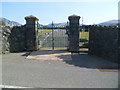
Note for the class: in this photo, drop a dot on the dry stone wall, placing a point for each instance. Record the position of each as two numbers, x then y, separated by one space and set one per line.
17 39
103 42
5 39
20 38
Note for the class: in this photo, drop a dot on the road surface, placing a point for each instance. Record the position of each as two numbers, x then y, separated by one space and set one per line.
79 72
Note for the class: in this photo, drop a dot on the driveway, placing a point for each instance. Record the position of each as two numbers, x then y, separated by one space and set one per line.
61 70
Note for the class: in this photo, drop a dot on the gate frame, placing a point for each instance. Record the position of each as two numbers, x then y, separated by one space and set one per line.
53 28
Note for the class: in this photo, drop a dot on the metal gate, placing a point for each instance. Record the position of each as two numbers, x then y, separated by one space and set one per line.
52 37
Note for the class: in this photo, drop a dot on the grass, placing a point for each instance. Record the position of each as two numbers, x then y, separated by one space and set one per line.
43 31
84 35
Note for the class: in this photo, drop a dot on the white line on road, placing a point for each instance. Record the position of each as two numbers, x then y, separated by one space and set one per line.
9 86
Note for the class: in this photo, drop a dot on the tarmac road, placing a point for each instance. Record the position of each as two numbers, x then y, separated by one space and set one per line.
81 72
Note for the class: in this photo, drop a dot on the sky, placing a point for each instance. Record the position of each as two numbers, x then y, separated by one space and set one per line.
91 12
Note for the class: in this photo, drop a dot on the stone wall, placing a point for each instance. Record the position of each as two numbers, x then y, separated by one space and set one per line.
18 39
103 42
13 39
5 39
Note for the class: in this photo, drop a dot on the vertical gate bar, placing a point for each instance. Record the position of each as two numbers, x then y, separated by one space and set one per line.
52 37
63 37
59 37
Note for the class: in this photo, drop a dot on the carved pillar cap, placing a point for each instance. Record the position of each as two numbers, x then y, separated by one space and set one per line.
31 17
74 17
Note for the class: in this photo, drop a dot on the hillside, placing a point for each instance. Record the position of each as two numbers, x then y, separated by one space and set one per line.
57 24
111 22
7 22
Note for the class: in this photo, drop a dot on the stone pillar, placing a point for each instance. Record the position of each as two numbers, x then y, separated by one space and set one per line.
32 33
73 33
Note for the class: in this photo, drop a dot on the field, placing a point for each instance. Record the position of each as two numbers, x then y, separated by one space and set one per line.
60 38
83 35
43 31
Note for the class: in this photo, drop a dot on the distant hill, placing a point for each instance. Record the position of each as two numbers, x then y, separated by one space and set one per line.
57 24
107 23
111 22
7 22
